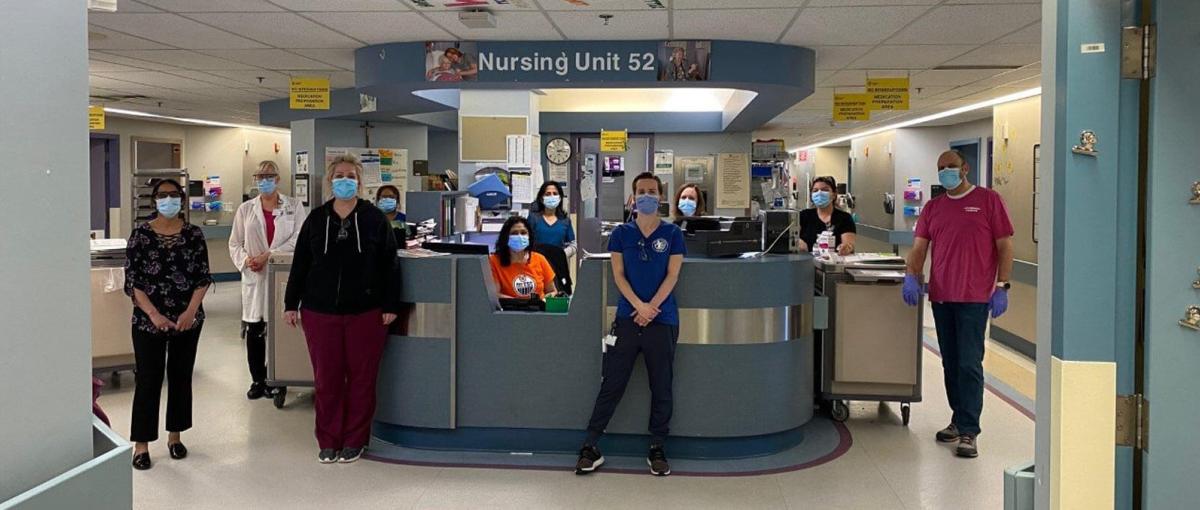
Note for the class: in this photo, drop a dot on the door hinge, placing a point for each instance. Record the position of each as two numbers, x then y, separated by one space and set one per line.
1139 47
1133 421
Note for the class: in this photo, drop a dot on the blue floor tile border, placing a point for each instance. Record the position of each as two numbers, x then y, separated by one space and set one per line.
823 441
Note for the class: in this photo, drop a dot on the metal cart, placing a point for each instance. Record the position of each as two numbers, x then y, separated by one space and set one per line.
871 349
288 364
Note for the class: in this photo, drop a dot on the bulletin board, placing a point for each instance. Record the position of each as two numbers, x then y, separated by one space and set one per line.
486 138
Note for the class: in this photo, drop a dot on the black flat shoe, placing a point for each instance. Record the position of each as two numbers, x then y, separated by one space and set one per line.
141 461
257 390
178 451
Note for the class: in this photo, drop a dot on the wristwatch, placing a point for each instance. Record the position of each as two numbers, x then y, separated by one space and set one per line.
1004 285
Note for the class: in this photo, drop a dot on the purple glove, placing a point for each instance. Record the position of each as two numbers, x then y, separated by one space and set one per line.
912 290
999 302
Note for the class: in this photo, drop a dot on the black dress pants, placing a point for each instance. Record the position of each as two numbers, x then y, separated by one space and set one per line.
256 349
157 355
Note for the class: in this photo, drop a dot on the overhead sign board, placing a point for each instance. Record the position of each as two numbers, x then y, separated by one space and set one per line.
308 93
568 61
888 93
614 141
95 117
851 107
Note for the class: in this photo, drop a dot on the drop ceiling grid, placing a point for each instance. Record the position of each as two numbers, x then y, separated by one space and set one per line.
762 25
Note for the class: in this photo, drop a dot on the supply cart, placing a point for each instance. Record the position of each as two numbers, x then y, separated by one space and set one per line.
288 364
112 349
871 349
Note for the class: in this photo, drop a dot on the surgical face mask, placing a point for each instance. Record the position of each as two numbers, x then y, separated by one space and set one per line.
266 186
518 242
345 188
646 204
822 198
551 201
387 204
687 206
949 178
168 207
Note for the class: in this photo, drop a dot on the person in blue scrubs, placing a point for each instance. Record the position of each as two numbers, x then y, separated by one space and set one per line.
548 219
647 254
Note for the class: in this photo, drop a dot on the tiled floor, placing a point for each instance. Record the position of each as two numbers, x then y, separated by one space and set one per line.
250 455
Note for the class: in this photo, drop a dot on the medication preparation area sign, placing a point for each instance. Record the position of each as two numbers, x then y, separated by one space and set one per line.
851 107
309 93
614 141
888 93
95 117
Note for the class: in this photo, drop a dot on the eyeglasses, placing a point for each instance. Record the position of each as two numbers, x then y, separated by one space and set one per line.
343 230
644 256
168 194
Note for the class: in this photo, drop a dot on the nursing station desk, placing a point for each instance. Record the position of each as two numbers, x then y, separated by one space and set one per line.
470 377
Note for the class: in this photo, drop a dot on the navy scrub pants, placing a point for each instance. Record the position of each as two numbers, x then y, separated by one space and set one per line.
960 330
656 342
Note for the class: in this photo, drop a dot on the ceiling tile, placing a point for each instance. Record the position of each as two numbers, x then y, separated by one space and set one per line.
1002 55
271 79
491 5
967 24
950 78
342 5
172 29
282 30
102 66
735 4
100 38
909 57
951 2
837 57
764 25
181 58
624 25
133 6
846 79
269 59
849 3
849 25
599 5
157 79
1031 34
510 26
383 27
338 58
211 5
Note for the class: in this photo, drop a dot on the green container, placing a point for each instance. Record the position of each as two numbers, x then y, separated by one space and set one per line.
555 304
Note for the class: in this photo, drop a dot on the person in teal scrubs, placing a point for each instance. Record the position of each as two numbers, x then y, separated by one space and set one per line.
548 219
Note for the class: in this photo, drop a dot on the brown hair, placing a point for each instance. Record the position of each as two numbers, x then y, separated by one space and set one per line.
699 200
646 175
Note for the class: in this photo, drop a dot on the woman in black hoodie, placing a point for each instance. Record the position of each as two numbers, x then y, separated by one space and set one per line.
343 289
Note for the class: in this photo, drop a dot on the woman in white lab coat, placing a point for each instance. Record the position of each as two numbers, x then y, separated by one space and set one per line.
267 224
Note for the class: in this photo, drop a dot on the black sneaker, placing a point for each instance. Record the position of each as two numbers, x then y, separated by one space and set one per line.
257 390
589 459
657 459
349 455
327 456
948 435
967 447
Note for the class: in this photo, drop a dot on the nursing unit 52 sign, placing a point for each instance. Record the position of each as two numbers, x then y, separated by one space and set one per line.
567 61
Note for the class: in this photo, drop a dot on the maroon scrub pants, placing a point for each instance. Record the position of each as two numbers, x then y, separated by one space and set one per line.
345 352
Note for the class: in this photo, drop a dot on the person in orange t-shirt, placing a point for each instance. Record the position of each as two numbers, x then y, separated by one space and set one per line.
518 270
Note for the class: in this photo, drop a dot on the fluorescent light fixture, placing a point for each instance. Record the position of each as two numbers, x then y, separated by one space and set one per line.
187 120
928 118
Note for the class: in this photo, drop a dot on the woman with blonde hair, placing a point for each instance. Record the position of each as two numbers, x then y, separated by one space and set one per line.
344 291
268 223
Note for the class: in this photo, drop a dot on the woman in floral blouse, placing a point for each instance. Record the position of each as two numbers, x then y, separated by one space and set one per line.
166 274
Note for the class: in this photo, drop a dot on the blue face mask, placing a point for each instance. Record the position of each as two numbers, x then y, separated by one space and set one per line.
950 178
822 198
387 204
345 188
266 186
517 242
551 201
687 206
168 207
646 204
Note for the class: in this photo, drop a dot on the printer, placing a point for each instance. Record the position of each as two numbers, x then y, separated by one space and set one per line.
708 236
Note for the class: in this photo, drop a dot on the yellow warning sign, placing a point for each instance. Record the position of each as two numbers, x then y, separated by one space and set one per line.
614 141
888 93
309 94
95 117
851 107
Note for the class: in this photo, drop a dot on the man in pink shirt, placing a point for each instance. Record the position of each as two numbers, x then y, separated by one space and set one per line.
972 260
